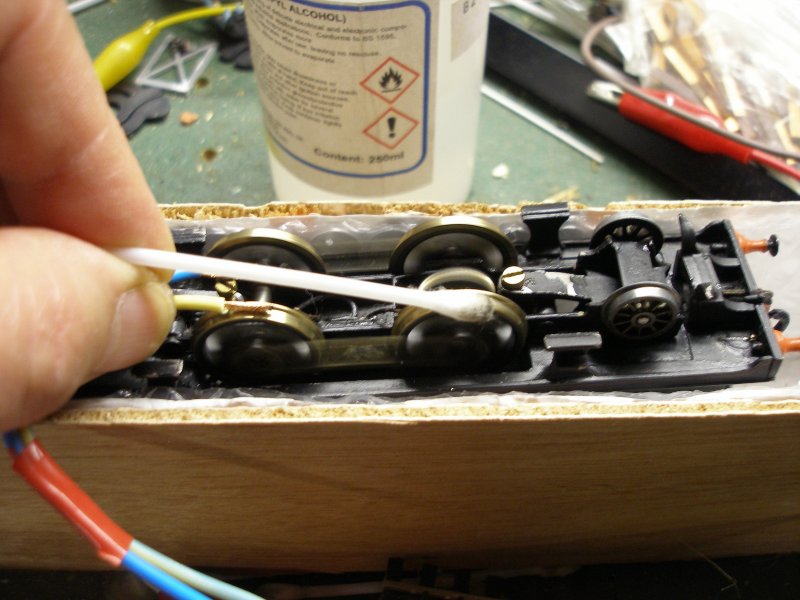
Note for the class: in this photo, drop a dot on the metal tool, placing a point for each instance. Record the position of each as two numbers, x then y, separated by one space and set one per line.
79 5
169 60
541 122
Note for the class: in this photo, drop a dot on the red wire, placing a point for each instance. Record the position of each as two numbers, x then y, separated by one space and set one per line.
39 469
773 162
693 136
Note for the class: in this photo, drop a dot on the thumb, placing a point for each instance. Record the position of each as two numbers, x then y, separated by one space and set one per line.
70 311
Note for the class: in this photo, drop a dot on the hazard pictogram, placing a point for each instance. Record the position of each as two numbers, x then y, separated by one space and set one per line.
390 80
391 128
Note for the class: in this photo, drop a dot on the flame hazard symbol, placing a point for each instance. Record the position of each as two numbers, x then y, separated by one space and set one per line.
390 80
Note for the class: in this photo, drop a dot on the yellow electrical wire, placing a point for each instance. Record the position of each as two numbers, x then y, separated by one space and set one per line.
199 303
26 433
123 55
195 13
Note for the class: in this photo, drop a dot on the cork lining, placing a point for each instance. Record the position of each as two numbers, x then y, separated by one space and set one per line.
402 413
201 212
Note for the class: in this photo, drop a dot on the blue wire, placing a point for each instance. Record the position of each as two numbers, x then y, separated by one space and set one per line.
177 590
13 441
183 276
200 581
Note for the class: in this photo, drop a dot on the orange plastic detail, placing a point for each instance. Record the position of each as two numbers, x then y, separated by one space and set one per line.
39 469
749 245
787 344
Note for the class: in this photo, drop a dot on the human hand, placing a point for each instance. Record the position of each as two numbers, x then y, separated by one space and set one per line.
69 186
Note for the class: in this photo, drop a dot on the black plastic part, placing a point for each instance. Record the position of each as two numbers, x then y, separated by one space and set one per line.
544 222
158 369
719 331
573 343
570 354
137 105
234 46
540 68
238 53
781 318
773 245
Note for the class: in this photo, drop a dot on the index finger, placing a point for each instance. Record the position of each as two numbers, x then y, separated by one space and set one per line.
64 161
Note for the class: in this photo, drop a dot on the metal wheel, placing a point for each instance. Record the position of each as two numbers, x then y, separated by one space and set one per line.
337 243
456 278
269 247
628 228
453 241
642 312
431 340
258 343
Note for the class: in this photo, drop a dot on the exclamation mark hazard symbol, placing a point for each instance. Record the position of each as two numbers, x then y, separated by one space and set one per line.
391 128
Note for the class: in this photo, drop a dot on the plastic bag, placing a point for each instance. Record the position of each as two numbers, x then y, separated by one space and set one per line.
737 58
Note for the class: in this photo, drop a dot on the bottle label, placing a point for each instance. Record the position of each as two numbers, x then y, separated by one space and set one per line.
348 91
467 24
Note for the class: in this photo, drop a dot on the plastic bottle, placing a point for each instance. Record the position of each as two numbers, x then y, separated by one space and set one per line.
372 100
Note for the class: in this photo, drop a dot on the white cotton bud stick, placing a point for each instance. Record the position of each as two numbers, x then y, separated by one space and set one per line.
462 305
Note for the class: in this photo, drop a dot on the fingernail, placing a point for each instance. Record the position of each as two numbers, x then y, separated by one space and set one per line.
142 320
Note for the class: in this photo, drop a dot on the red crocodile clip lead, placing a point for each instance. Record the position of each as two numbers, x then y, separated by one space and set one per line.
679 129
687 133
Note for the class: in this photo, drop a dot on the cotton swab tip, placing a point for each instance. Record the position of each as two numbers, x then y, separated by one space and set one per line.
472 306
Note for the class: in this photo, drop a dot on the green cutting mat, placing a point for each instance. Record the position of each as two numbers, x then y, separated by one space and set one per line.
223 157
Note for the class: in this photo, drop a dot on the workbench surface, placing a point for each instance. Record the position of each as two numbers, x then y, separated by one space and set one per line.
172 155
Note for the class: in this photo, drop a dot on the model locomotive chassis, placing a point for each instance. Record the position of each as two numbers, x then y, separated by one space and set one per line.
721 334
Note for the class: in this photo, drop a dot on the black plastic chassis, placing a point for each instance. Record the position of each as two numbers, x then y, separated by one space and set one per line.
721 333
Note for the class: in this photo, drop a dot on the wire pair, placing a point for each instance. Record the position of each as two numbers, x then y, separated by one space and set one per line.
112 543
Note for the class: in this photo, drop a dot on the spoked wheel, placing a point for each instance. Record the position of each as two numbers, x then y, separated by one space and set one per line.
453 241
628 228
432 340
642 312
256 344
267 247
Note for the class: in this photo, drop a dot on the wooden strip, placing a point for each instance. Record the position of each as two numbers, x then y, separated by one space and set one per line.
347 495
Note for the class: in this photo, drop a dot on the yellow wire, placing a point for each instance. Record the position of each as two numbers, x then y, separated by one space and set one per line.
213 304
26 433
124 54
193 14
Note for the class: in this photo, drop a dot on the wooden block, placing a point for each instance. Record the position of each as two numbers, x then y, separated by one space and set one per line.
334 488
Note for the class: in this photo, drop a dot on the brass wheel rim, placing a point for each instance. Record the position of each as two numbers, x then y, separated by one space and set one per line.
266 238
505 311
473 228
468 278
281 319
